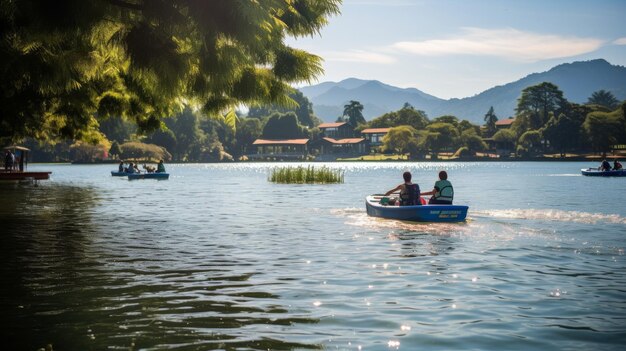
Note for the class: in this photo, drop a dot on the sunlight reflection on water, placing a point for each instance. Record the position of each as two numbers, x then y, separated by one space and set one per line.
219 258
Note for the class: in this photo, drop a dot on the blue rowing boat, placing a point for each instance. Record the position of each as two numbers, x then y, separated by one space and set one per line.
160 176
593 172
421 213
119 174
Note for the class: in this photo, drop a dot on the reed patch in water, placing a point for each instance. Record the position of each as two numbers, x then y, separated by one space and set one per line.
306 175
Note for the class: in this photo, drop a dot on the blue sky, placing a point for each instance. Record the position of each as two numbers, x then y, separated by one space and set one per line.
455 49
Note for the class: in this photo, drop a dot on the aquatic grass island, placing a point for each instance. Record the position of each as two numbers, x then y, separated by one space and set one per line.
306 175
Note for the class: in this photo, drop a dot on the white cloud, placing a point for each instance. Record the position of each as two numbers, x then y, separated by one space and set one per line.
358 56
508 43
620 41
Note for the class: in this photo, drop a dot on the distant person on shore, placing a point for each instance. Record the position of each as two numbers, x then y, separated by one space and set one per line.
443 193
160 167
616 165
605 166
409 192
120 168
9 159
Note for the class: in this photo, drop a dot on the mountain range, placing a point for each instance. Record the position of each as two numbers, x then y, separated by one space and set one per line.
577 80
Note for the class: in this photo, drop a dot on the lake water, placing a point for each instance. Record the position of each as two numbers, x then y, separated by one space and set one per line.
217 257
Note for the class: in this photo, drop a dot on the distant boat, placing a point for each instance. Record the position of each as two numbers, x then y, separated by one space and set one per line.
421 213
593 172
119 174
159 176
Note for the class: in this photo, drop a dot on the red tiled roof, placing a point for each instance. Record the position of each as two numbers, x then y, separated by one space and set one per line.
344 141
281 142
505 122
374 130
331 125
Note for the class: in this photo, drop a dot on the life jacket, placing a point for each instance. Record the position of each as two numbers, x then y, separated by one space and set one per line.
444 192
410 196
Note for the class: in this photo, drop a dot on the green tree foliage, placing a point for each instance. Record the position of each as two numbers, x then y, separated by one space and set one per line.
605 129
285 126
399 138
506 138
115 149
472 141
189 136
63 61
86 152
117 128
303 110
465 125
145 152
535 105
490 121
561 133
406 116
529 143
447 119
163 137
407 106
354 111
442 136
248 131
603 98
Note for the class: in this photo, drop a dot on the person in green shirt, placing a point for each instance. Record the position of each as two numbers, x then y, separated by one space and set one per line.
160 167
443 193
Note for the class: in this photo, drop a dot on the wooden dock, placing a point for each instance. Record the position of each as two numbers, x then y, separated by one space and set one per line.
17 175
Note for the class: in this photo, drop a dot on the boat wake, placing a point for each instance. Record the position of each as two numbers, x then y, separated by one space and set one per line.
551 215
358 217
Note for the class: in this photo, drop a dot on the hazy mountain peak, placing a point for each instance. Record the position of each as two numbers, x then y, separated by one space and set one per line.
577 80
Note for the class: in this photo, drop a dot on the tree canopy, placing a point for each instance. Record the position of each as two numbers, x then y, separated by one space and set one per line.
354 111
399 138
303 110
65 64
605 129
490 121
405 116
536 103
603 98
284 126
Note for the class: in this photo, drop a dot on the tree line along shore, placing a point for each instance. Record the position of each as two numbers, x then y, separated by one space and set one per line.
545 127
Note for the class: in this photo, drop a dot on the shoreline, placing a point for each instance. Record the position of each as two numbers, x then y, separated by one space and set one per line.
473 159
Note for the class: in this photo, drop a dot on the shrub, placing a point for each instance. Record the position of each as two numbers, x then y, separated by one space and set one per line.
140 151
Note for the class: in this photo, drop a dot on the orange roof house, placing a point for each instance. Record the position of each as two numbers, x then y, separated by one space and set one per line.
504 123
375 130
281 142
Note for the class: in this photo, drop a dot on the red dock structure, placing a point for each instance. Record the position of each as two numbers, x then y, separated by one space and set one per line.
15 162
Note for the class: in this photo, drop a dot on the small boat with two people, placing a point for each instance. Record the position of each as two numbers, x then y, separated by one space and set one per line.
376 206
410 206
594 172
605 170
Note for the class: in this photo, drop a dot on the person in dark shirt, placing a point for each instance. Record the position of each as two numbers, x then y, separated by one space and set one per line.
409 192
